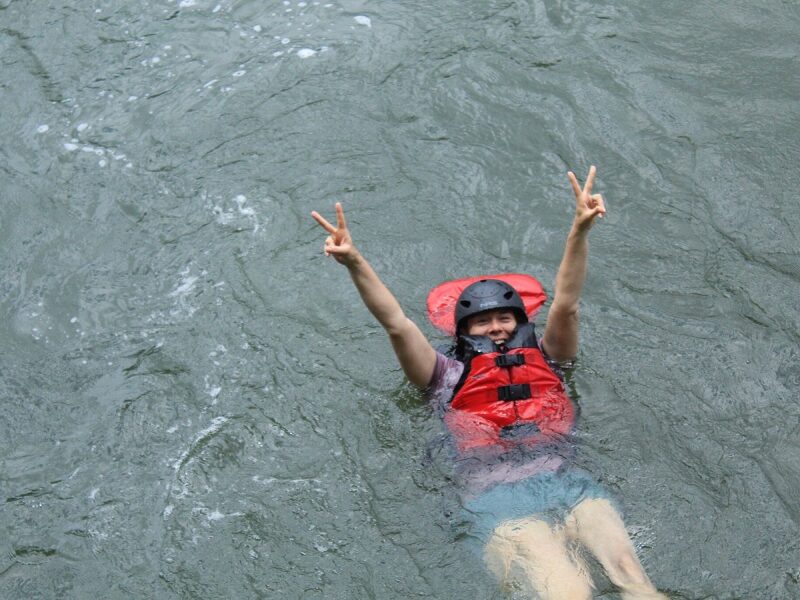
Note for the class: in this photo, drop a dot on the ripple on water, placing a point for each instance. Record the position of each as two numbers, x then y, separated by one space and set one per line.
197 405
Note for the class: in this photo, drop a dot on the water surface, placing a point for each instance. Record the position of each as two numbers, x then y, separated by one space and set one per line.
196 404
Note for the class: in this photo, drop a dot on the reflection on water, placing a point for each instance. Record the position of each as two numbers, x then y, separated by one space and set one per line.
196 404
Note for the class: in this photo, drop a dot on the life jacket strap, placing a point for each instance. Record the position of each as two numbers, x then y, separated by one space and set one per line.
515 391
509 360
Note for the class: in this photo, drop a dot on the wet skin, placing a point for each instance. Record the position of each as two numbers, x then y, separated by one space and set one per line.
498 325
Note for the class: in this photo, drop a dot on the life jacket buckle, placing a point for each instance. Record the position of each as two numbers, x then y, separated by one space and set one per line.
509 360
515 391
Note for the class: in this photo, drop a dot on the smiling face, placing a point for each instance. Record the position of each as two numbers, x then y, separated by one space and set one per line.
498 325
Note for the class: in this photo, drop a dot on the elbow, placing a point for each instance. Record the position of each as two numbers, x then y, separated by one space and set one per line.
397 328
565 311
570 311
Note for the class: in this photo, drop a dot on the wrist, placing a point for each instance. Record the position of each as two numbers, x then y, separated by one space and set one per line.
353 260
580 230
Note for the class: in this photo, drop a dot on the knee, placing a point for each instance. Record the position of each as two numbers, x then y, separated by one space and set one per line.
628 571
563 581
578 589
498 555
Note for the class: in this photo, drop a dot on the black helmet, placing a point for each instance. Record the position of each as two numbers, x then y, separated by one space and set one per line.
488 294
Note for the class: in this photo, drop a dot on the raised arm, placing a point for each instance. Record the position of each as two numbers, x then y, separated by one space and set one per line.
416 355
560 338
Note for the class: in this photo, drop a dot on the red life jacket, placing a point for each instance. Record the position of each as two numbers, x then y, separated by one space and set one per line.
504 388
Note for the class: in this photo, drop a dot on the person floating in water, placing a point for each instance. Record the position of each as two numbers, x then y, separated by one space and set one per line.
500 393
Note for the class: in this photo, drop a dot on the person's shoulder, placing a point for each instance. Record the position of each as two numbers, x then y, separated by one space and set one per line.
446 362
445 374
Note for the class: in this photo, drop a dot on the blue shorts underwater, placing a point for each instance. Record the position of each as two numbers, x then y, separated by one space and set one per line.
548 496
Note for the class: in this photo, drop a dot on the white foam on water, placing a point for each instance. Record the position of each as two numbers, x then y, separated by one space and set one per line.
271 480
42 128
220 349
306 52
185 287
74 145
239 73
223 218
363 20
212 391
217 8
216 424
187 3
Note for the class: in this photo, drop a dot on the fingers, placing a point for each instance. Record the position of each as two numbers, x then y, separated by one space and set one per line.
340 221
575 185
588 206
596 209
587 189
322 221
599 204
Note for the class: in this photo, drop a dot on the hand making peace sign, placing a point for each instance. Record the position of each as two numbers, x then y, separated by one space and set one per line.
338 244
587 205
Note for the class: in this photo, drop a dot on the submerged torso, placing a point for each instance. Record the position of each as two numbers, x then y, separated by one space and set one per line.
503 445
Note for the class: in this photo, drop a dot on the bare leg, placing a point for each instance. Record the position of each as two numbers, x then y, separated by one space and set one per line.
541 553
597 525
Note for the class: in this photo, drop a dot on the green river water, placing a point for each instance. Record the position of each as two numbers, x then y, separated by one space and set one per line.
195 404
